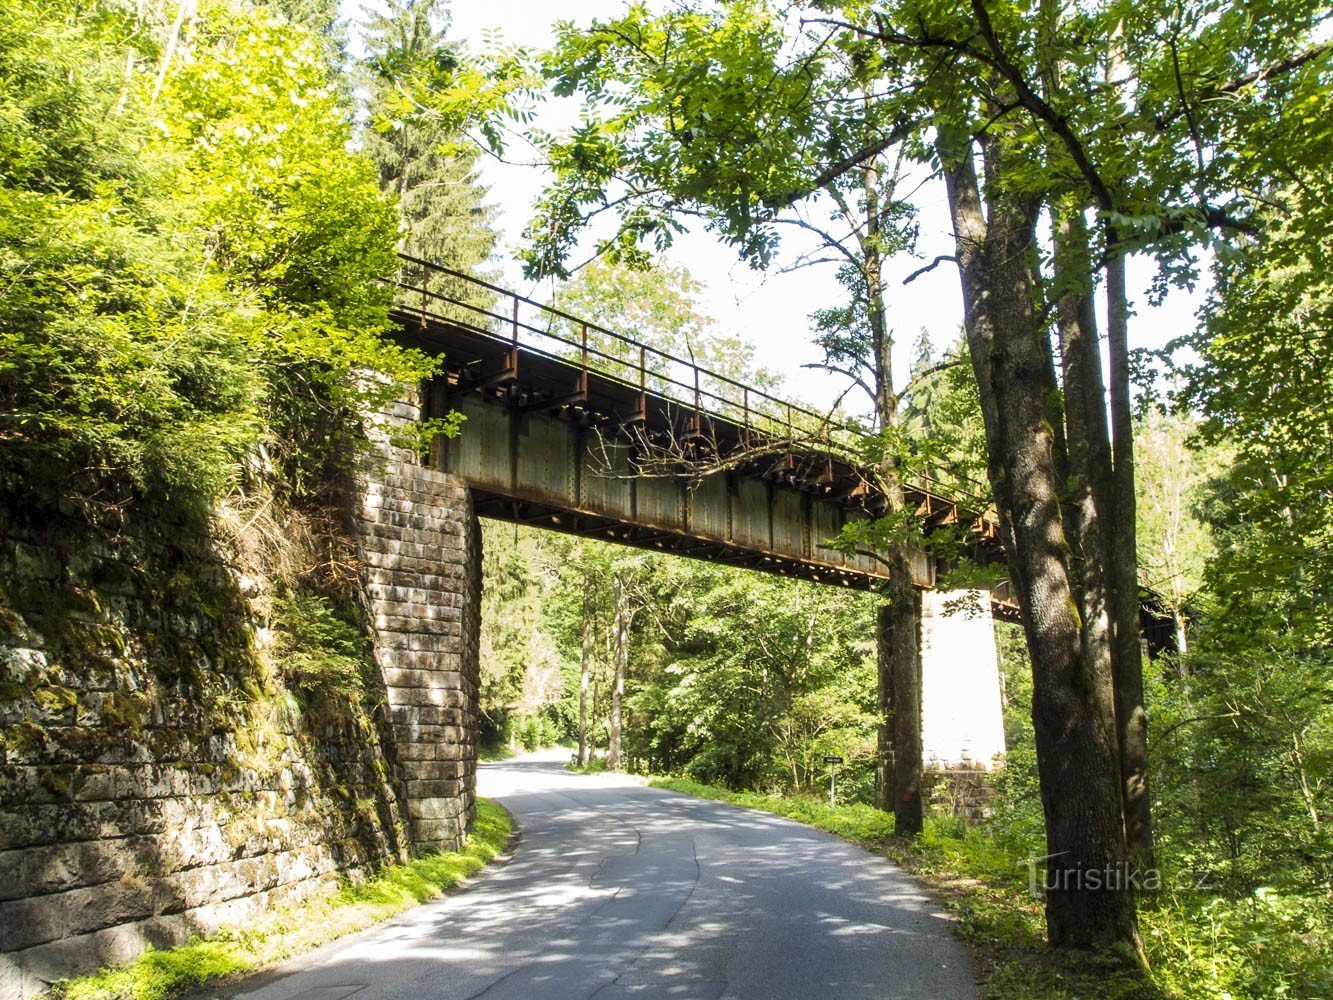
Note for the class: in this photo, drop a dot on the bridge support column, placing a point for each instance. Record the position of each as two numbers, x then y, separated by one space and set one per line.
420 547
962 715
958 722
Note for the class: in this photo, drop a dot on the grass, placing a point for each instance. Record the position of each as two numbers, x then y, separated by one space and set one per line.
856 822
594 765
158 975
983 882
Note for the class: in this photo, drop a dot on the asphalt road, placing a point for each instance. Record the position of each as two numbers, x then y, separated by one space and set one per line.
620 891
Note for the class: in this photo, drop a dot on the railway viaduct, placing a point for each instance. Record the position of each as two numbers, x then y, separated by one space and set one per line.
583 430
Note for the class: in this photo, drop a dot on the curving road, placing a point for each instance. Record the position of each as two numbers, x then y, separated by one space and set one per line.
620 891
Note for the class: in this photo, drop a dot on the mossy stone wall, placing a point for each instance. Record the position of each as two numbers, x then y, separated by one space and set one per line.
158 776
156 779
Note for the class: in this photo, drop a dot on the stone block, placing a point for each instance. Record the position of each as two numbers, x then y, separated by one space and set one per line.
107 905
16 982
166 930
118 945
422 697
25 923
441 834
436 808
420 790
51 869
56 960
107 860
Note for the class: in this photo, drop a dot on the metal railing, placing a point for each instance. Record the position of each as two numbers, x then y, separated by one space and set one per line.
700 393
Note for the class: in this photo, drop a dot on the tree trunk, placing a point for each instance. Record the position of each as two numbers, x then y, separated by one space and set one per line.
1122 559
596 713
899 636
622 624
1182 635
884 731
1077 755
899 620
585 658
1087 494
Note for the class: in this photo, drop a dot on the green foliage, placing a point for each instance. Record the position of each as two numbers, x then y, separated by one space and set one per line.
1244 907
98 365
1173 475
533 732
441 87
857 822
942 419
520 662
595 765
747 680
671 113
320 16
159 975
192 252
1264 388
424 162
657 304
316 650
1245 717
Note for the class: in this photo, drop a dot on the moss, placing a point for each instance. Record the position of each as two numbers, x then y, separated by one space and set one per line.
11 622
58 780
159 975
54 699
114 639
125 711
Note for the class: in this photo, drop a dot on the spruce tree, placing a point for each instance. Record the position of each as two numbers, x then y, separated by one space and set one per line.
431 172
320 16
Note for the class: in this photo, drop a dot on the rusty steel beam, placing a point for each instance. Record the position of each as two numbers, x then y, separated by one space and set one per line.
522 449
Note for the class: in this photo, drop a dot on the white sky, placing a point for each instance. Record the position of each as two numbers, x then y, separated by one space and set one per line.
768 310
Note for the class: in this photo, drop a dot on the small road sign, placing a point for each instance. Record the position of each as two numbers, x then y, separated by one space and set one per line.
832 781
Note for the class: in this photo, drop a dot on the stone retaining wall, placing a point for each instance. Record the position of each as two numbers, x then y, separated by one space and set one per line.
157 778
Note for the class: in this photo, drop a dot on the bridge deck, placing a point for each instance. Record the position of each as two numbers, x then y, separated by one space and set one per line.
645 449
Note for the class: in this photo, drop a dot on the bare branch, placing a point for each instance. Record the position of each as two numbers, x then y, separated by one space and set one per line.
925 373
839 167
944 258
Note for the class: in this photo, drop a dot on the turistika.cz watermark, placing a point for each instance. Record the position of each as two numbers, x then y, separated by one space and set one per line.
1111 878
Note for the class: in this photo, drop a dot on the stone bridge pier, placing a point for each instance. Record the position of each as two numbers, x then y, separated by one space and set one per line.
420 550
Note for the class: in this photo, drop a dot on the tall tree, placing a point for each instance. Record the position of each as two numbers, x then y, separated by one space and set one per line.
622 623
864 225
1024 108
424 163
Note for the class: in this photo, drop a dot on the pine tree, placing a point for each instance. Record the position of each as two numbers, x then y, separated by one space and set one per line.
430 172
320 16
